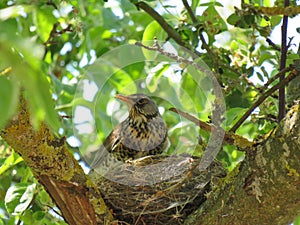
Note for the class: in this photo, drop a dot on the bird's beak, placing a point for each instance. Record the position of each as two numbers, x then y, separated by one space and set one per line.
130 101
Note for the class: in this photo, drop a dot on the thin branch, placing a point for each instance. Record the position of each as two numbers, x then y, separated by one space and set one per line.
204 44
272 79
235 82
210 52
230 138
170 30
177 58
271 43
190 11
51 3
282 83
54 32
281 103
217 62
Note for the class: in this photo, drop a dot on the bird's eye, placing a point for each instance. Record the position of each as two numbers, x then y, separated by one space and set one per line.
142 101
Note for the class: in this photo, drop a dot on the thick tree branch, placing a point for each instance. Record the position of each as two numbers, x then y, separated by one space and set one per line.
266 178
281 97
56 169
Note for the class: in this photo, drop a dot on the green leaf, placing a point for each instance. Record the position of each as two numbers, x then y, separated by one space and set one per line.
123 82
260 76
110 20
233 114
24 57
9 95
39 215
212 4
153 80
275 20
265 57
297 221
215 23
236 99
195 4
37 92
44 21
153 30
233 19
15 11
241 21
234 45
11 160
19 197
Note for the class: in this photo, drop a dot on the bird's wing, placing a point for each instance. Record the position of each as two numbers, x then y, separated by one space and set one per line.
108 146
113 139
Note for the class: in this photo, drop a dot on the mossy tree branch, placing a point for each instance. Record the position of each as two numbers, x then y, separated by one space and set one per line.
56 169
264 188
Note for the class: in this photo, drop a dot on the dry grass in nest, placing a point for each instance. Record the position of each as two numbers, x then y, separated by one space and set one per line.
156 189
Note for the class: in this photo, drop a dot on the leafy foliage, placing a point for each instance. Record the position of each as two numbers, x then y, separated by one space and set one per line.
71 57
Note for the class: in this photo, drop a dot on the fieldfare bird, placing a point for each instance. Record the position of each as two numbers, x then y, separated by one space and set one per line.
142 133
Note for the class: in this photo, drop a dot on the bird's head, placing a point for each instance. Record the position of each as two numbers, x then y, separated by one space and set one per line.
140 105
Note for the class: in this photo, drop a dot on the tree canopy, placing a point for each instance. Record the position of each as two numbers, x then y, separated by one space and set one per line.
216 64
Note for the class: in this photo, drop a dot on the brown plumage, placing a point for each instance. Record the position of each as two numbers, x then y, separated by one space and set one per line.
142 133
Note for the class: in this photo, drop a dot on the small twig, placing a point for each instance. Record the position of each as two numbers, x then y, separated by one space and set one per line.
289 44
281 98
203 125
209 52
190 11
237 81
156 16
272 79
177 58
51 3
54 32
204 44
282 83
271 43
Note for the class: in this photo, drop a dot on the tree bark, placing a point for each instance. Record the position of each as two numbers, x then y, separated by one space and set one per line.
57 170
264 188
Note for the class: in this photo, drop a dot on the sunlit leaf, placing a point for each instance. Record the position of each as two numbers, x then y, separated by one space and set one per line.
15 11
11 160
44 21
233 114
19 197
153 30
9 95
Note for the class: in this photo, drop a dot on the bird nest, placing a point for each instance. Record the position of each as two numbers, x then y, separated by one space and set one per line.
156 189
